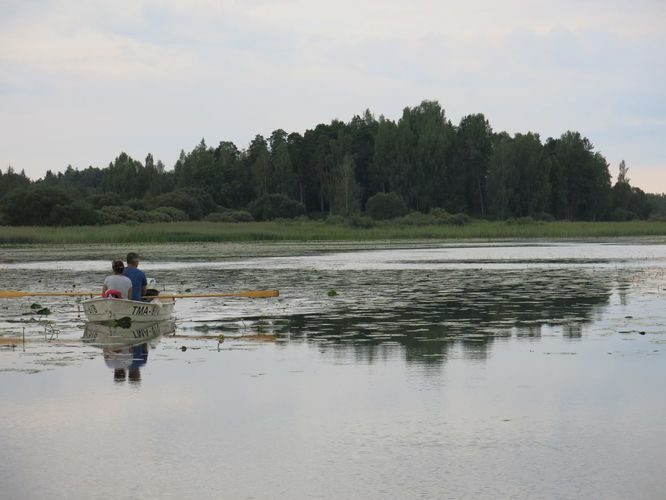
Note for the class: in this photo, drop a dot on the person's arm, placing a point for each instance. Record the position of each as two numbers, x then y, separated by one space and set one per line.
129 294
104 287
144 286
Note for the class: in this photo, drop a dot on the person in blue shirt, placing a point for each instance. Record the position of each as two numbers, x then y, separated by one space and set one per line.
136 276
139 358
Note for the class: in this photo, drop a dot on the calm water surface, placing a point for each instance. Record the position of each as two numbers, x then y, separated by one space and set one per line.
382 371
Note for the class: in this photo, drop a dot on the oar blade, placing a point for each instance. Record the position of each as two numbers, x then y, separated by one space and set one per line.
260 294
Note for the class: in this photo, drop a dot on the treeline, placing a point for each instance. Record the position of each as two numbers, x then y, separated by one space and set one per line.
421 163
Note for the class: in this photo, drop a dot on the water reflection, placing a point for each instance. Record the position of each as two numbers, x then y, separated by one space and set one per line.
424 315
427 315
430 383
125 349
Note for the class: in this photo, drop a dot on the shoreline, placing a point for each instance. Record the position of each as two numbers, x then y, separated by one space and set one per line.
299 231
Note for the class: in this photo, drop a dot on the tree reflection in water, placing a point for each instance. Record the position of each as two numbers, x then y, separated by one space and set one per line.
428 314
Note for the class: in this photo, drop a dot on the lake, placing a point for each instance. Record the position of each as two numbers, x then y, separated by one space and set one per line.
383 370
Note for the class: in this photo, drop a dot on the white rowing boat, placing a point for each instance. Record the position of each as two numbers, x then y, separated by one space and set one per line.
107 336
159 308
101 309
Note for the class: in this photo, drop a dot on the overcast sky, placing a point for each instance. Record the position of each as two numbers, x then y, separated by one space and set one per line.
81 81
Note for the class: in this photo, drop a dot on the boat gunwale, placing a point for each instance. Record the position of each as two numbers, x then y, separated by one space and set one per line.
112 309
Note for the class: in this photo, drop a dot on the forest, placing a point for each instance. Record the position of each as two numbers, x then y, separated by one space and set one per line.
369 166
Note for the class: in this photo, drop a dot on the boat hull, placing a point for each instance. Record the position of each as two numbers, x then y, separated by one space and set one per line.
101 309
106 336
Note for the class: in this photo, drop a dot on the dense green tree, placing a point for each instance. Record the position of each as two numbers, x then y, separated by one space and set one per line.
345 190
623 173
363 130
10 181
425 147
236 189
85 180
337 168
195 202
33 205
150 176
628 202
283 179
501 177
557 201
104 199
474 138
259 160
76 213
274 206
531 187
173 213
341 176
386 206
299 153
198 170
123 177
322 160
383 172
657 203
587 177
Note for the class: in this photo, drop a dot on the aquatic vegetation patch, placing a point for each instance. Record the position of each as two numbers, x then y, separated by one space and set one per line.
415 227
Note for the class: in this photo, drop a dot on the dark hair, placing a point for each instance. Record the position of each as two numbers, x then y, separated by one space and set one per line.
118 266
132 257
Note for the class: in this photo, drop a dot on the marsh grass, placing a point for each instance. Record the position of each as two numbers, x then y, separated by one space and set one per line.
306 230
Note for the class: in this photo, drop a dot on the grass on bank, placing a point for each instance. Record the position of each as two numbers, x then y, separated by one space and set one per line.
306 230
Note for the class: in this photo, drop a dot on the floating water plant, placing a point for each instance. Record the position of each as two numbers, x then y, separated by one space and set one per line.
125 322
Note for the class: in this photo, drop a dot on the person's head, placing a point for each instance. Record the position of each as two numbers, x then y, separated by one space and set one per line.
133 259
118 266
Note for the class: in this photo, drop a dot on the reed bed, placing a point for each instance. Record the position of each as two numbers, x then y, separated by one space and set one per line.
305 230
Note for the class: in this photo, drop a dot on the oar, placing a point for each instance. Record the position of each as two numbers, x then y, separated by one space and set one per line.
252 294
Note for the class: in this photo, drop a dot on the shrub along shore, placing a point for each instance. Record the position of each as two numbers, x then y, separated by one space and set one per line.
336 229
